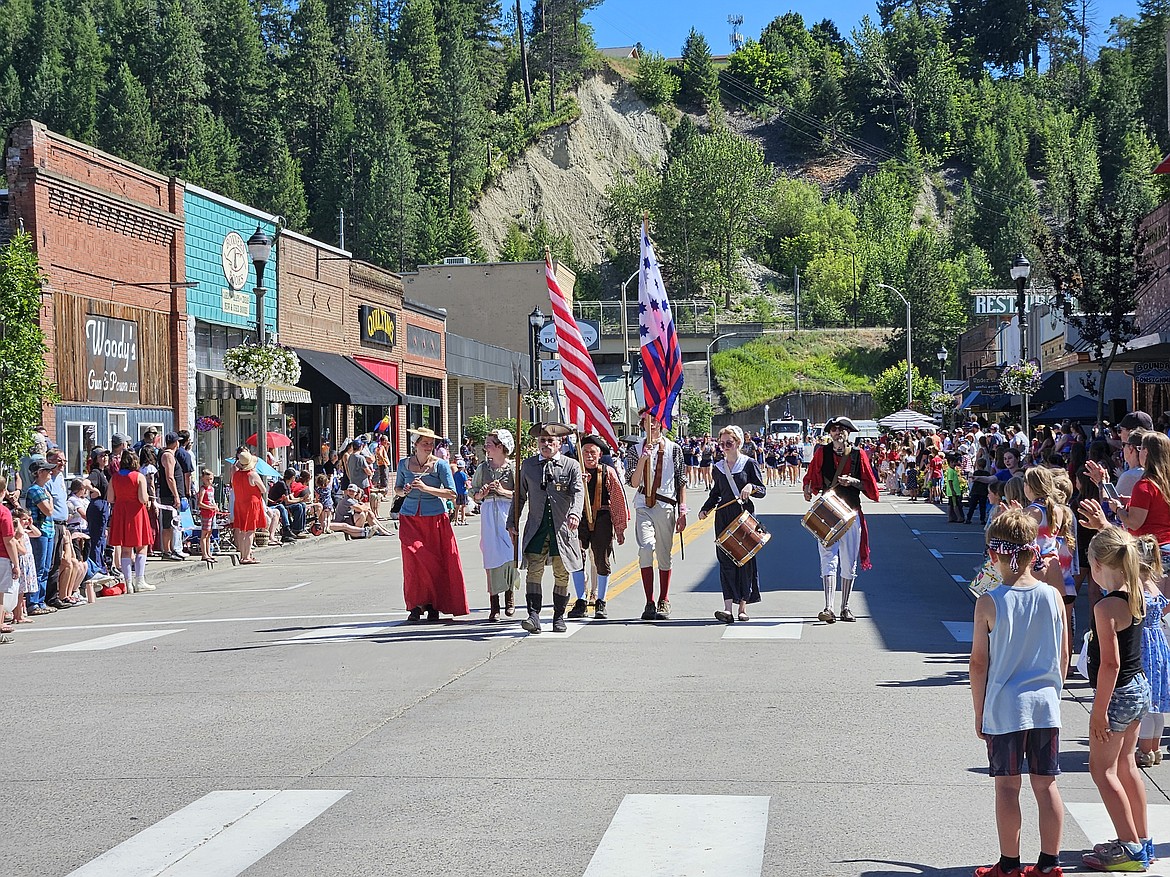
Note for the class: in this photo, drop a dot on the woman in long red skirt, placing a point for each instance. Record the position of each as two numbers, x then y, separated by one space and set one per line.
130 520
432 574
249 512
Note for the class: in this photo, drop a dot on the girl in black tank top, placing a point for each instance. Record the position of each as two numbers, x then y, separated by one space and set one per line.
1129 647
1121 697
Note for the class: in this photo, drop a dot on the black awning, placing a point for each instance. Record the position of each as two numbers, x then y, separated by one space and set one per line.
333 379
1050 392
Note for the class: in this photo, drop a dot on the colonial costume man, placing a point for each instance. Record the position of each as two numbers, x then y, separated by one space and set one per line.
655 469
550 483
604 519
848 473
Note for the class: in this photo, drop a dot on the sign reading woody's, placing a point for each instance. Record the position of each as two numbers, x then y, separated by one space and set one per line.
111 360
378 326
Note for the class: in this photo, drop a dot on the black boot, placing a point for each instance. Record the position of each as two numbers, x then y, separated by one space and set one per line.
495 614
510 602
579 610
599 610
532 622
560 601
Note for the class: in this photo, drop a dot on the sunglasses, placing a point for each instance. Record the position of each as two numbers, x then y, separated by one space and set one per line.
729 443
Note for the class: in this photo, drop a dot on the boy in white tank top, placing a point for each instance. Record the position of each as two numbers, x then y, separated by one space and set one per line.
1018 653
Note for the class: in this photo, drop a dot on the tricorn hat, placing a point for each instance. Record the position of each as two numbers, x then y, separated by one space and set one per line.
597 440
550 430
843 422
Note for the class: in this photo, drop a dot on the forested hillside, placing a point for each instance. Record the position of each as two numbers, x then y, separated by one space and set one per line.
922 150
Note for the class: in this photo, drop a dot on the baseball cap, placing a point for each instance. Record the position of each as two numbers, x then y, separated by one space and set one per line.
352 487
119 440
170 438
1135 419
42 466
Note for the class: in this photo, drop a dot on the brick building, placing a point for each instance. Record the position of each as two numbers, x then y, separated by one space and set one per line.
340 316
110 239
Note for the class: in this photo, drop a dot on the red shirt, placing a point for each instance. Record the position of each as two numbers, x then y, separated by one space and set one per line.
1157 524
6 531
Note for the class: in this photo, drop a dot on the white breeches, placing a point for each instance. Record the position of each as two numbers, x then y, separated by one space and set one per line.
841 557
655 530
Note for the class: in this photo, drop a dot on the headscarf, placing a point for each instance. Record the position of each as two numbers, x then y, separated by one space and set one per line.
505 438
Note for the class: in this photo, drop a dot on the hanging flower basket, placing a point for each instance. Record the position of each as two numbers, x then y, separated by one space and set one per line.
541 400
1020 378
943 402
262 364
208 423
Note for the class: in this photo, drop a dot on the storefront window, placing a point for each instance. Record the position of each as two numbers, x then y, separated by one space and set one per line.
80 439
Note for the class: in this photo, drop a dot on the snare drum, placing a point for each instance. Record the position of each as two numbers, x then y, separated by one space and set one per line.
828 518
743 538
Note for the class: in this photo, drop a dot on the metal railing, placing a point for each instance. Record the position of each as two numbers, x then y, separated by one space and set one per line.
691 316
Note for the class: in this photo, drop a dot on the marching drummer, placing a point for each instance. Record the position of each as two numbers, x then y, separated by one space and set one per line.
848 473
737 480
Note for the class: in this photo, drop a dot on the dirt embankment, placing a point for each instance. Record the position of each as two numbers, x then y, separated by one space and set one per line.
563 176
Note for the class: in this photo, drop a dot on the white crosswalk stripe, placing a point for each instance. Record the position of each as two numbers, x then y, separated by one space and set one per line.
962 631
684 836
220 835
1094 821
111 641
339 633
765 628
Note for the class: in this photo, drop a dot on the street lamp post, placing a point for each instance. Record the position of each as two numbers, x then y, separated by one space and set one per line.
260 249
942 372
718 338
909 366
535 321
684 420
627 368
1021 271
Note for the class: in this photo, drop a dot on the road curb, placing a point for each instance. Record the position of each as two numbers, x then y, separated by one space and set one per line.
160 571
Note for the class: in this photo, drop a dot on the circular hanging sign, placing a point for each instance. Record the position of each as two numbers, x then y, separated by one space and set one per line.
235 260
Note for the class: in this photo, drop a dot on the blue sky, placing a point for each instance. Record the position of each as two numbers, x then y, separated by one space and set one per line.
662 25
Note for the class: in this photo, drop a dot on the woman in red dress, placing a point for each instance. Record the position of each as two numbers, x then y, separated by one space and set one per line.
248 510
130 520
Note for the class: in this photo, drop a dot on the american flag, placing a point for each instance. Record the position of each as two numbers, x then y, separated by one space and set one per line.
662 371
587 409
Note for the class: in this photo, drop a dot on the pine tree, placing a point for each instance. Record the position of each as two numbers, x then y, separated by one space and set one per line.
462 238
311 68
127 129
213 156
417 46
281 190
700 79
10 98
333 176
460 113
45 99
85 71
178 88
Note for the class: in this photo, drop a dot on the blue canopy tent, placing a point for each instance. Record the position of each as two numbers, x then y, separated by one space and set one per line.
1080 408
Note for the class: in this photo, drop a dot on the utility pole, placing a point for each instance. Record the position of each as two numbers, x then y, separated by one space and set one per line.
796 294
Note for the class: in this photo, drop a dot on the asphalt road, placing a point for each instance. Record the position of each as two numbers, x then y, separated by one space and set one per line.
281 720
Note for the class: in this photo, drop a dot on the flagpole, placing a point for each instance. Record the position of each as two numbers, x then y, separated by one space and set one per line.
516 480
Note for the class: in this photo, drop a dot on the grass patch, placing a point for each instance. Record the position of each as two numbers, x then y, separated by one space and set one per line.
815 361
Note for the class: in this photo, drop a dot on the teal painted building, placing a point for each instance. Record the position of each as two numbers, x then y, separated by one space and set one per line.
221 315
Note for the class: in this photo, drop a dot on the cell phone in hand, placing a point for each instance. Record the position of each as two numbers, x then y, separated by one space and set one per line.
1110 490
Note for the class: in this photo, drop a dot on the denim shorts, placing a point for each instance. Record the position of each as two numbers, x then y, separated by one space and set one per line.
1129 703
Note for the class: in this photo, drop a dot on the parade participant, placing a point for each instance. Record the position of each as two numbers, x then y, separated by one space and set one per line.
655 470
492 487
849 474
550 483
130 521
736 478
432 574
604 519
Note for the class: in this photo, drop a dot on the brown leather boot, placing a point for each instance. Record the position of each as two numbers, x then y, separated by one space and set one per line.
510 602
495 614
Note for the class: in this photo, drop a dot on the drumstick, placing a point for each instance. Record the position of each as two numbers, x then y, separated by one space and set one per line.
682 551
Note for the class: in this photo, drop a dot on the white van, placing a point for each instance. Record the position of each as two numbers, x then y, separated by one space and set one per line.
786 430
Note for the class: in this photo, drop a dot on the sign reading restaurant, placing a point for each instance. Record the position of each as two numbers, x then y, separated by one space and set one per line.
378 326
111 360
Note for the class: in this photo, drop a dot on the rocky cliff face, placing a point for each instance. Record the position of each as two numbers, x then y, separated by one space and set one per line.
563 176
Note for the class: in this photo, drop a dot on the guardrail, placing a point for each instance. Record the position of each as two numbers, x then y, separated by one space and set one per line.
691 316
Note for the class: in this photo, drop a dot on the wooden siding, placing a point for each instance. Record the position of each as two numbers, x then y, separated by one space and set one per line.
154 351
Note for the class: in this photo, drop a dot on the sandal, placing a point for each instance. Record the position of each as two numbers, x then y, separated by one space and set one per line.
743 616
5 628
41 610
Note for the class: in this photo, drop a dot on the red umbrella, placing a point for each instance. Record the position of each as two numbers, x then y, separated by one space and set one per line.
275 440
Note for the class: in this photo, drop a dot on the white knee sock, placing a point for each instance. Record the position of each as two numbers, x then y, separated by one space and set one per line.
127 564
727 604
830 583
602 586
140 565
846 589
579 583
